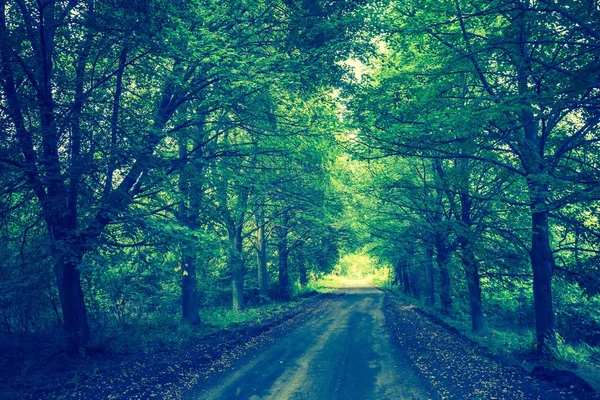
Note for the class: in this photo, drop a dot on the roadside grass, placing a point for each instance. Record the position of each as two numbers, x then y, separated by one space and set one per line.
166 332
328 284
516 345
379 280
153 333
225 318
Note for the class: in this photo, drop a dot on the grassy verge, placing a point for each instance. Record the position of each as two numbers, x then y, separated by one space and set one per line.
517 346
329 284
166 331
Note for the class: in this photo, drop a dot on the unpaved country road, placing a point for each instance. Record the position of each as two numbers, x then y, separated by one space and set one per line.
343 353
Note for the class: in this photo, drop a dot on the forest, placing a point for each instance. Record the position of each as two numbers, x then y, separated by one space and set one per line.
171 168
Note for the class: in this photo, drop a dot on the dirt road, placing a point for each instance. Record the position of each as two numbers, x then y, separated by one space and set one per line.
343 353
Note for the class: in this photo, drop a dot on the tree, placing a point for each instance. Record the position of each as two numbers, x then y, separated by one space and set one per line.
527 106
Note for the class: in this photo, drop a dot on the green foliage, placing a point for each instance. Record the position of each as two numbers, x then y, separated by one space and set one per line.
165 127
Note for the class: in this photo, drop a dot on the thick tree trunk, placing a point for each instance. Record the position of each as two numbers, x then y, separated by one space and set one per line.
72 302
473 284
235 226
189 207
237 271
542 262
430 277
45 156
542 259
466 242
261 255
60 204
442 258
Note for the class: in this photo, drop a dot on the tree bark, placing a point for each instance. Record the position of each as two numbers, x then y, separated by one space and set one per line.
190 187
542 258
470 265
430 276
466 242
443 258
68 278
237 270
261 255
59 205
542 261
234 221
283 251
474 286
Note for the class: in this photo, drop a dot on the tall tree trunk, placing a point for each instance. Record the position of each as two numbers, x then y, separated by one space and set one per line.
533 159
430 275
542 258
61 204
282 249
473 285
237 271
542 261
234 220
465 240
189 296
443 258
72 302
261 254
188 216
67 265
43 166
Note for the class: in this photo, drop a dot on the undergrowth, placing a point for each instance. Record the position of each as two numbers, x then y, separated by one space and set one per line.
167 332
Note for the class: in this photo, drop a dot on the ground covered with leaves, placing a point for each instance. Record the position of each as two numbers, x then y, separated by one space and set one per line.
166 373
457 368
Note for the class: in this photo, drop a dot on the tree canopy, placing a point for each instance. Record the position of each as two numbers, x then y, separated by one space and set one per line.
160 158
